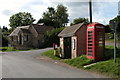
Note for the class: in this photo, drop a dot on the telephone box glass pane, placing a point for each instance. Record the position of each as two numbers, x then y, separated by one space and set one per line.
100 44
90 52
89 31
89 47
89 43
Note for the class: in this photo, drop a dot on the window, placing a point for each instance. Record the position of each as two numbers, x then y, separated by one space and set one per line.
26 38
89 35
89 47
89 41
89 31
89 52
11 38
90 38
73 44
89 44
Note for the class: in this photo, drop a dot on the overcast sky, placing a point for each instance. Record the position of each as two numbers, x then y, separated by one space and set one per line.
102 11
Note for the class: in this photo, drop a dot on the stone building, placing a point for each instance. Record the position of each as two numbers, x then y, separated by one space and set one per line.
73 41
26 37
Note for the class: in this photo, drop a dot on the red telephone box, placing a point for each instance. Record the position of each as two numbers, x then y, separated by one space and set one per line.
95 41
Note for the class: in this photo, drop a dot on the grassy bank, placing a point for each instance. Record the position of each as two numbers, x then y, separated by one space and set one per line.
107 67
8 49
79 62
50 54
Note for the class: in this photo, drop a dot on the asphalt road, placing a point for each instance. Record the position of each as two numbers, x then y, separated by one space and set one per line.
23 64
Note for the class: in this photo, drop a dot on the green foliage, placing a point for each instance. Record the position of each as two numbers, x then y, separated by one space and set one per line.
48 17
51 37
109 52
5 34
107 29
40 21
4 40
79 61
57 18
79 20
117 19
61 15
50 54
21 19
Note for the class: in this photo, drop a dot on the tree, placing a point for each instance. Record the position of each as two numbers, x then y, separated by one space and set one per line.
51 37
79 20
4 29
61 15
40 21
49 14
57 18
21 19
48 17
107 29
5 34
117 19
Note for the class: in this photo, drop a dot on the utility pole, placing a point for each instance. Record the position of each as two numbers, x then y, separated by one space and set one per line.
90 10
115 41
118 23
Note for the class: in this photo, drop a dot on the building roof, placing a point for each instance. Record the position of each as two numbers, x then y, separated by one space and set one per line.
40 29
70 31
25 30
15 32
18 29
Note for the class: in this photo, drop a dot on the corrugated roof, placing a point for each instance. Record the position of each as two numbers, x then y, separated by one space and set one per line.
70 31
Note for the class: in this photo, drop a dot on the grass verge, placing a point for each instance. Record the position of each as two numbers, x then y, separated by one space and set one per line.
50 54
79 62
8 49
107 67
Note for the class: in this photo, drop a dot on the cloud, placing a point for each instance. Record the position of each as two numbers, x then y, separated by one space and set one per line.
7 12
35 7
102 11
106 11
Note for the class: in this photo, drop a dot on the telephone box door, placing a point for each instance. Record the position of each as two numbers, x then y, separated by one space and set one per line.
100 44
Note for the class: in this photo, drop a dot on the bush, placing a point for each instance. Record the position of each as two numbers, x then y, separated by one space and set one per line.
109 52
4 41
51 37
